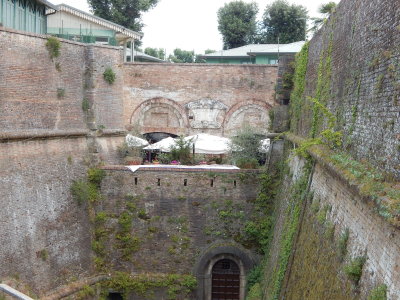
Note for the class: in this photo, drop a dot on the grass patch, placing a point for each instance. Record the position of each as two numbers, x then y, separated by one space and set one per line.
353 270
378 293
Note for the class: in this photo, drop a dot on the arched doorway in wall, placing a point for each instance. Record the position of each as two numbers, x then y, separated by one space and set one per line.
222 269
225 280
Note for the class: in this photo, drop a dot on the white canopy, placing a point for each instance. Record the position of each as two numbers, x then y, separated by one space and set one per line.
164 145
203 144
134 141
264 145
209 144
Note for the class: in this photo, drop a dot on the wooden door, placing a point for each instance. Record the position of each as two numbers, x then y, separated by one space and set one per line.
225 280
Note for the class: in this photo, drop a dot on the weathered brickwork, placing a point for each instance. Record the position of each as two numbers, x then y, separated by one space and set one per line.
43 236
365 78
175 215
370 234
164 97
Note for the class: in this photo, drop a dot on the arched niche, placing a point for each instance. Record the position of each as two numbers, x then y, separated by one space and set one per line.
253 113
212 256
160 115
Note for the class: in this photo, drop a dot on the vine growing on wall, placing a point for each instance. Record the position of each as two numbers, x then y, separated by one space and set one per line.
299 84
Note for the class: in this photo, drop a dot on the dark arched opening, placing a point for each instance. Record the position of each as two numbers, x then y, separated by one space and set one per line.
154 137
225 280
114 296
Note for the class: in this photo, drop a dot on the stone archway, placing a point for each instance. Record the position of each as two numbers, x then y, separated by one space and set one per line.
212 256
253 112
160 115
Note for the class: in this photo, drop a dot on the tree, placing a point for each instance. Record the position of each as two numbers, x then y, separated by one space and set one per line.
237 23
326 10
182 56
199 58
246 146
283 23
123 12
155 52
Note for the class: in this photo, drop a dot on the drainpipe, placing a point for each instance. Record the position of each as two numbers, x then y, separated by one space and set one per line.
13 292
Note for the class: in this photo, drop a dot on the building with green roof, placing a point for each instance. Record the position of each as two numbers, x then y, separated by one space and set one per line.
265 54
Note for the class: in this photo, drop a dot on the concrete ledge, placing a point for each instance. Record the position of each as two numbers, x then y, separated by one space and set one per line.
13 292
180 170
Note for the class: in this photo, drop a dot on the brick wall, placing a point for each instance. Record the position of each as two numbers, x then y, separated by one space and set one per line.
186 213
44 236
316 260
364 87
234 86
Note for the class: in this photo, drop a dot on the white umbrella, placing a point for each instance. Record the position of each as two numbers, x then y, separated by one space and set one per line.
164 145
134 141
264 145
209 144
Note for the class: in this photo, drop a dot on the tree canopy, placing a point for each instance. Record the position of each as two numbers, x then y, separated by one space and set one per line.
155 52
182 56
123 12
326 10
284 22
237 23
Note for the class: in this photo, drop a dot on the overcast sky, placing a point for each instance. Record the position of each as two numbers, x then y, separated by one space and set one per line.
188 24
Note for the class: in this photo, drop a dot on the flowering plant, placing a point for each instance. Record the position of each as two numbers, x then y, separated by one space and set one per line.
175 162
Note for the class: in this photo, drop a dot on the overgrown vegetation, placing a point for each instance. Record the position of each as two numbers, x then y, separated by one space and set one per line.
245 147
53 46
181 151
299 83
354 269
176 284
109 75
378 293
87 190
342 243
298 194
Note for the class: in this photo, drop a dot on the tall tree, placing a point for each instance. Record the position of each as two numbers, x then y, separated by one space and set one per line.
237 23
155 52
123 12
326 10
283 22
182 56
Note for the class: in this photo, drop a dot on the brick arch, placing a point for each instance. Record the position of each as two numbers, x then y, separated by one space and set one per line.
213 254
256 106
160 115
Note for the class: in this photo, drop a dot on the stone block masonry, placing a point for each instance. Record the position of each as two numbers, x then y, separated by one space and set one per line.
176 215
360 41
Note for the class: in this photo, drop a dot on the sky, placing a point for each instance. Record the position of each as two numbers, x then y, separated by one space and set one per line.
189 24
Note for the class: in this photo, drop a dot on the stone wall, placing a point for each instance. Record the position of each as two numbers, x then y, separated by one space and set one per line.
166 221
319 254
47 140
355 61
192 98
178 214
44 237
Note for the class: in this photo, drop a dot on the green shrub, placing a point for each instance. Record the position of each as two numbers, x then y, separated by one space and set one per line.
109 75
53 45
181 151
255 293
60 93
255 276
85 104
83 192
247 163
378 293
353 270
95 176
85 292
343 240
